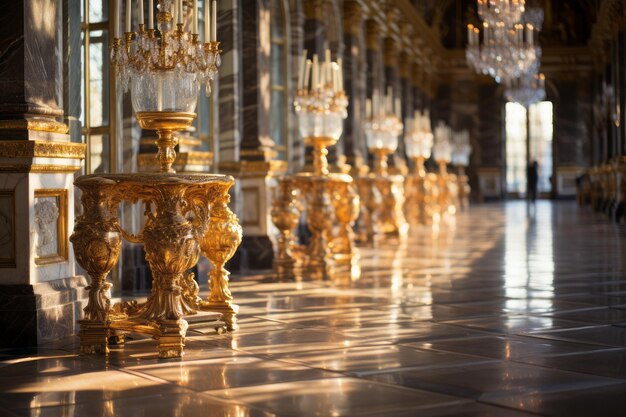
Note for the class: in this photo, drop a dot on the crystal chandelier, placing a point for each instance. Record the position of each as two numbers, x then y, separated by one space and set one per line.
170 61
504 53
526 90
508 12
419 136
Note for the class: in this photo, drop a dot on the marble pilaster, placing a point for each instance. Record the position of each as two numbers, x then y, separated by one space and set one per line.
354 83
40 298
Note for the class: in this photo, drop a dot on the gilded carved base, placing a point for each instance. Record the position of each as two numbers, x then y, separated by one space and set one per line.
186 214
332 206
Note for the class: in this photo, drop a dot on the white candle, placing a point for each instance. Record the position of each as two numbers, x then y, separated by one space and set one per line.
175 13
128 14
207 21
118 6
316 73
307 73
150 14
139 11
469 33
301 68
335 78
340 80
214 22
398 108
160 93
368 108
375 103
323 79
195 17
181 12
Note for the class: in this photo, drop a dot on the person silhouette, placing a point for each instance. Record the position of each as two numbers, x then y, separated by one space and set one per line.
532 177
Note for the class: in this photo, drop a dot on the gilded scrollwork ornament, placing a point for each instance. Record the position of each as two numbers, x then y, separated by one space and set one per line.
286 211
219 244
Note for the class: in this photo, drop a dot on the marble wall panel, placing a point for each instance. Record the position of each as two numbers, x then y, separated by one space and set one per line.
229 111
570 127
31 64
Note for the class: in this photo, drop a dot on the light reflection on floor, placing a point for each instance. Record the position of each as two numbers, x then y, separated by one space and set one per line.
511 310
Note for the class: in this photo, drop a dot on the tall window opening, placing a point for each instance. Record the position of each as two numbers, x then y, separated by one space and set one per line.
279 101
97 116
528 139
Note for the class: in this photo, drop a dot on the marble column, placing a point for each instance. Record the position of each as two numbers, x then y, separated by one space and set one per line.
570 133
296 26
354 82
40 296
256 169
406 95
374 59
490 149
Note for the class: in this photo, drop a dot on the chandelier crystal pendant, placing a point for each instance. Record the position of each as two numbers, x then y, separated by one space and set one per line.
526 90
505 53
508 12
442 148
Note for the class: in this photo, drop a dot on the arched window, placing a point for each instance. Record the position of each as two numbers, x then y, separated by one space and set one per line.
279 102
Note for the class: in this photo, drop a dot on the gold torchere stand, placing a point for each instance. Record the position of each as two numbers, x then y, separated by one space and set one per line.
185 213
447 191
415 206
463 188
286 210
331 205
391 220
371 206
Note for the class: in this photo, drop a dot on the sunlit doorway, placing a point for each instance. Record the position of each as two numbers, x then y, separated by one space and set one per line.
528 141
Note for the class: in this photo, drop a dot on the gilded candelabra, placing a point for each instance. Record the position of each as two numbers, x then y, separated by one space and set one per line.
382 128
186 214
286 210
460 158
329 199
442 150
419 142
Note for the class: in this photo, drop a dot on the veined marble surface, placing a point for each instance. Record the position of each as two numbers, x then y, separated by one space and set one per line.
511 311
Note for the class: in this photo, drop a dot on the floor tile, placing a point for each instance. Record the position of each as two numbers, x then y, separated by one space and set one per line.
333 397
606 401
375 359
506 347
182 404
476 380
223 373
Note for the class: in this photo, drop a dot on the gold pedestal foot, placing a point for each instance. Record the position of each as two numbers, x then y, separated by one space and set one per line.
94 337
229 312
285 269
171 338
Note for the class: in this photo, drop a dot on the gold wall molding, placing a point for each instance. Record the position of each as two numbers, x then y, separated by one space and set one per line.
352 17
145 160
50 126
42 168
61 223
373 35
41 149
314 9
254 168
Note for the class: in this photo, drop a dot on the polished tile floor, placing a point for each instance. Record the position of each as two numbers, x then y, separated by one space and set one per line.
512 311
